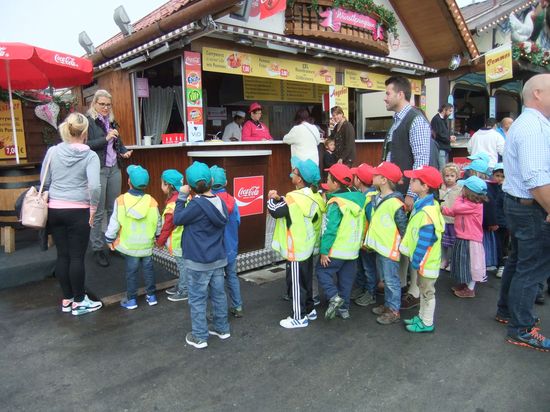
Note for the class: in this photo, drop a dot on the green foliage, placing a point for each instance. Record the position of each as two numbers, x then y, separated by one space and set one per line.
531 52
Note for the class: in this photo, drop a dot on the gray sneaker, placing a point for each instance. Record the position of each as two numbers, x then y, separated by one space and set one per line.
196 342
343 313
388 317
333 305
356 293
379 310
365 300
172 291
237 312
179 295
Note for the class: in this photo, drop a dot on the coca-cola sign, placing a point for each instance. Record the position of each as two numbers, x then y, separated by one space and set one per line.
249 194
65 60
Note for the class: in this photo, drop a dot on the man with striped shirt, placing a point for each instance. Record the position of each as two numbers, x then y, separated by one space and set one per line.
527 210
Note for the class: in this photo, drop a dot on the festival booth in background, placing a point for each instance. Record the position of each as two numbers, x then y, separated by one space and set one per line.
186 69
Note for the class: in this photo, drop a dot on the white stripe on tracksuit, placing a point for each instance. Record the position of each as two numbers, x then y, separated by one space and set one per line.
295 277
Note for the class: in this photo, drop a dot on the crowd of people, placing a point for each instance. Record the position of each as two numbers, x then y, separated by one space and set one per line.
387 229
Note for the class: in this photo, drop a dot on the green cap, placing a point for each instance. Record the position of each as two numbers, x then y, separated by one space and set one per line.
219 179
196 172
139 177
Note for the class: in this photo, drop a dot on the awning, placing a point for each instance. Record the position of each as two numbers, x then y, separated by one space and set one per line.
472 79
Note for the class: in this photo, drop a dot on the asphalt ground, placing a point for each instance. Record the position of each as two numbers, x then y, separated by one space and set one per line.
118 360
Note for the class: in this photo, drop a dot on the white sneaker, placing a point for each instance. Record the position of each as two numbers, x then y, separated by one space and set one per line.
290 323
66 305
312 315
86 306
221 335
499 272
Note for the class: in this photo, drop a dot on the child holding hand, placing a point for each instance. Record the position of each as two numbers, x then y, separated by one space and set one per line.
448 195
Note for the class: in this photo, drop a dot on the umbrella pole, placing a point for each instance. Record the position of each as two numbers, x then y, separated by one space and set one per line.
16 147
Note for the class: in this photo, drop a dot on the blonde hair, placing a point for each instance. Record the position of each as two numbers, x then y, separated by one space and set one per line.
74 126
453 167
92 112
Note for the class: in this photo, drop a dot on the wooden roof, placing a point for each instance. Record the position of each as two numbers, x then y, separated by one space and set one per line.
437 29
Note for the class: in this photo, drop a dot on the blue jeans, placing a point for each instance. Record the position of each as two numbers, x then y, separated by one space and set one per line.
443 158
526 267
366 271
132 268
198 283
389 271
345 271
233 285
182 283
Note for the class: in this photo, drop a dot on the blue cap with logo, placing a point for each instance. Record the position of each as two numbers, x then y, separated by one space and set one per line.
172 177
498 166
196 172
475 184
139 177
480 155
309 171
219 179
479 165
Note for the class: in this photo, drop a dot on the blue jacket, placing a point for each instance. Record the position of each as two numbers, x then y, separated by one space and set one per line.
231 235
204 219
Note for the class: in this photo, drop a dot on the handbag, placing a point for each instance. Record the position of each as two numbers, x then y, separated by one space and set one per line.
34 211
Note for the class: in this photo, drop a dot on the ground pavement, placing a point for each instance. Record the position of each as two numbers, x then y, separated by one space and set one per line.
115 359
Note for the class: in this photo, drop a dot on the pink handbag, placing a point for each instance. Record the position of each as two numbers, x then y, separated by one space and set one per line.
34 211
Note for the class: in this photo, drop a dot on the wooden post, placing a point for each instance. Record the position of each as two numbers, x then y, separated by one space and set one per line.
9 239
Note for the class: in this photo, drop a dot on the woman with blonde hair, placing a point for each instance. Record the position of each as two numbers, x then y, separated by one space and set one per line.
104 139
73 180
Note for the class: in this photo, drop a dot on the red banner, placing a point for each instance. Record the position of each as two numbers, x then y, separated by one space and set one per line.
249 194
269 8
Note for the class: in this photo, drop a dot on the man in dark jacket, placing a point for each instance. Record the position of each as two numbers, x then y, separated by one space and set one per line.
442 134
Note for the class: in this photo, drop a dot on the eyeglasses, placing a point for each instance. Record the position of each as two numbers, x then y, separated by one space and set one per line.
104 104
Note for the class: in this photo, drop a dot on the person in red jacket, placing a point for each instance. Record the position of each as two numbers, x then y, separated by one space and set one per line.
253 129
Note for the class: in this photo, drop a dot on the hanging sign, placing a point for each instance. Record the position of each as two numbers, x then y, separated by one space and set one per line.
498 64
249 195
374 81
269 8
338 96
7 147
193 96
142 87
247 64
257 88
335 18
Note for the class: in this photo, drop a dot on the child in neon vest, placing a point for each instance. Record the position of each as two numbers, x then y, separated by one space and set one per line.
295 237
422 243
132 229
170 234
341 240
364 293
204 218
386 228
231 240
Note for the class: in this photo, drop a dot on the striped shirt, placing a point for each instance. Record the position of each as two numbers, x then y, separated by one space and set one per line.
419 139
527 154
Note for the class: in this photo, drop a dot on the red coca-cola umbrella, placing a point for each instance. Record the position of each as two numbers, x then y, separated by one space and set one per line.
27 67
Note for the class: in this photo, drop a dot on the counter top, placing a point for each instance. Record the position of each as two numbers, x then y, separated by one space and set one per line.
229 153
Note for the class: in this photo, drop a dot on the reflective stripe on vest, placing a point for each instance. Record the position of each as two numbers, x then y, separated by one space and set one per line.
173 243
350 232
383 235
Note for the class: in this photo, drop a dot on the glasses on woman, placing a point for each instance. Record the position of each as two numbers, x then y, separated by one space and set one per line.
104 104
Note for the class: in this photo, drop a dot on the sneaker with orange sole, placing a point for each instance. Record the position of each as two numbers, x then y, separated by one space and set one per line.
530 339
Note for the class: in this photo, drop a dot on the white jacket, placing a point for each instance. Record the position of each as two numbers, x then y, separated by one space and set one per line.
489 141
304 140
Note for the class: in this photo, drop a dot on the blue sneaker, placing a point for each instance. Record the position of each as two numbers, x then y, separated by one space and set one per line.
151 300
531 339
128 304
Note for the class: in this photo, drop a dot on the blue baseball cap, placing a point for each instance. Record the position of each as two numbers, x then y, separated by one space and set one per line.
309 171
139 177
219 179
196 172
172 177
498 166
480 155
475 184
479 165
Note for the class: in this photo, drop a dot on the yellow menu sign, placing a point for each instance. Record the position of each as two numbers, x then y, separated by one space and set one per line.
247 64
374 81
498 64
7 147
257 88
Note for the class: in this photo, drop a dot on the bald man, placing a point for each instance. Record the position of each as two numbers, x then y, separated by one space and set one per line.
527 210
505 124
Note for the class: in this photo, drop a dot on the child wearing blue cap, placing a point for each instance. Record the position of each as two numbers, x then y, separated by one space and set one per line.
204 218
170 234
132 229
298 217
231 240
468 256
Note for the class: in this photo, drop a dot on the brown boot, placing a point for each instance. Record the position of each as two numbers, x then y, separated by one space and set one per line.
408 301
388 317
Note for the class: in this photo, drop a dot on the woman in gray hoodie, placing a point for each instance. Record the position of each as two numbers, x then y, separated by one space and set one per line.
73 179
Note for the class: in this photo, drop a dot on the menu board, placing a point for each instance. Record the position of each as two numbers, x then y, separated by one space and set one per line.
257 88
247 64
374 81
7 146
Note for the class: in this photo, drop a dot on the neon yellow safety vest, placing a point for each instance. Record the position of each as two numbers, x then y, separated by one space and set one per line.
368 199
429 215
383 236
296 243
138 217
350 232
317 224
173 243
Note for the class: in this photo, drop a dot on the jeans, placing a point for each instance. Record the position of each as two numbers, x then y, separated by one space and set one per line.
132 268
366 271
233 285
443 158
70 230
526 267
345 271
389 271
182 283
111 183
199 284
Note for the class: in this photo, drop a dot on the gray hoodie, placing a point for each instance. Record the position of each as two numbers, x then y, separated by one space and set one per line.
74 173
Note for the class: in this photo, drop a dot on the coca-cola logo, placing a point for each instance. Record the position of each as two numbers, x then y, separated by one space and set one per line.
65 60
190 61
247 192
